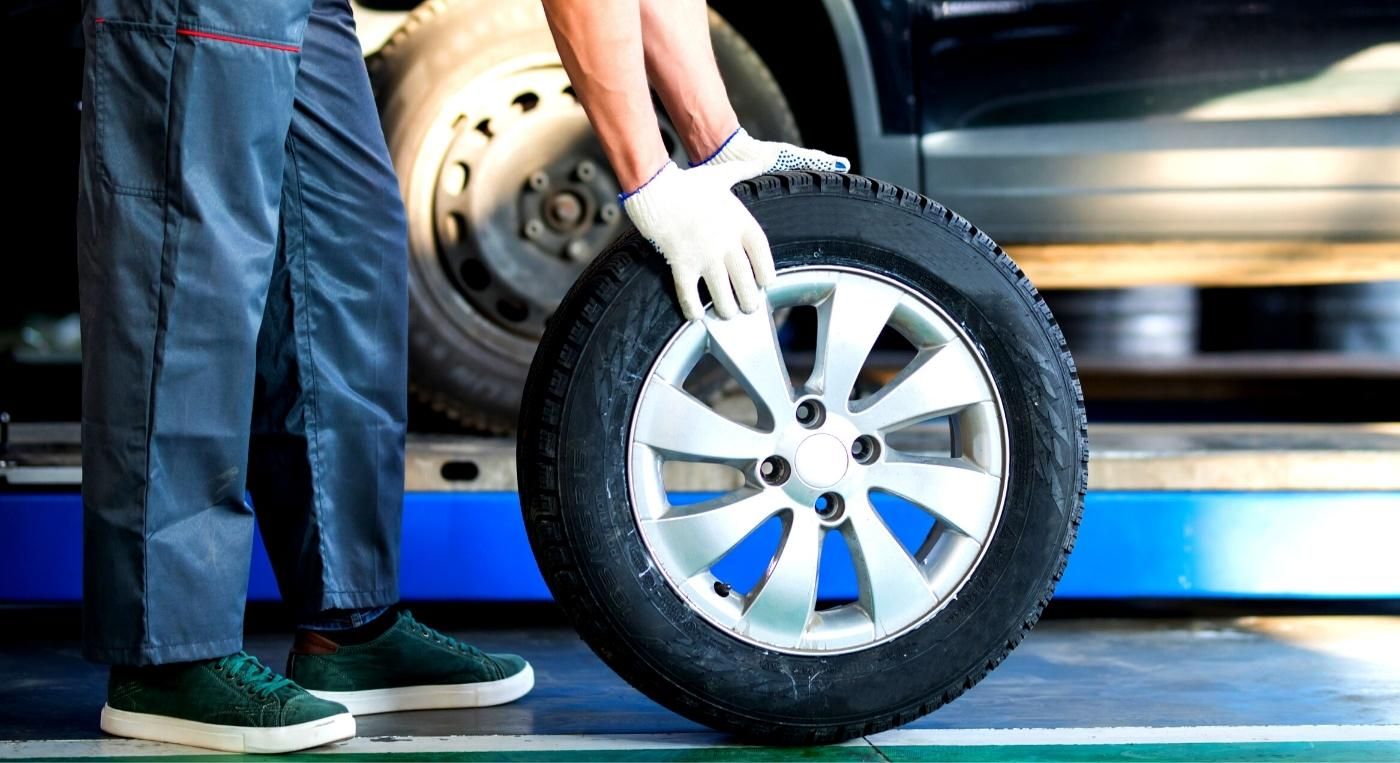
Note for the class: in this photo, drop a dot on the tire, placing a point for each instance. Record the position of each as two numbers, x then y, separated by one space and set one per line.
585 405
1140 322
1361 318
484 278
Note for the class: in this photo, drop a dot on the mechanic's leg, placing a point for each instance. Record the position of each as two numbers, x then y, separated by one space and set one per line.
327 463
187 108
187 104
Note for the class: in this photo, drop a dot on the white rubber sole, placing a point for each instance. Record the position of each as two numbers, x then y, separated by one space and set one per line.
213 736
448 696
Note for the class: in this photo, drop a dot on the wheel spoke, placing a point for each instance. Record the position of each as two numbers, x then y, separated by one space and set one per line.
682 428
747 345
785 599
962 496
700 534
848 323
892 586
937 383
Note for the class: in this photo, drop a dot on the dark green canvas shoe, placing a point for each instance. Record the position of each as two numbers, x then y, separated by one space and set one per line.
235 704
408 667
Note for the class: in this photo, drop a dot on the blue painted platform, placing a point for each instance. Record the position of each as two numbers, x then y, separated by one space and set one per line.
472 546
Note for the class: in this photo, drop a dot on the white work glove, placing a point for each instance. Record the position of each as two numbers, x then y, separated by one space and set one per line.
703 231
775 157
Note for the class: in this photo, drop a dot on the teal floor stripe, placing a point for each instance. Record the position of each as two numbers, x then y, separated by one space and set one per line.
1205 752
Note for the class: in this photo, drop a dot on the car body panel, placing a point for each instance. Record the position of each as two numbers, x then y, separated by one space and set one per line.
885 151
1106 120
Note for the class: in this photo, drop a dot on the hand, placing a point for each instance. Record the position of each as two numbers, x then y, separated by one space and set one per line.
703 231
775 157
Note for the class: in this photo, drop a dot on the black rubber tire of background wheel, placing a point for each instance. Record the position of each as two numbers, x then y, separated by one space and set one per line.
574 487
457 364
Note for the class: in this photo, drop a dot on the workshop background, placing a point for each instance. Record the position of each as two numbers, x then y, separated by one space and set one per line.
1206 192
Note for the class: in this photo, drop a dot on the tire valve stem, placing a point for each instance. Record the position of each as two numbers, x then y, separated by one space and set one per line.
722 588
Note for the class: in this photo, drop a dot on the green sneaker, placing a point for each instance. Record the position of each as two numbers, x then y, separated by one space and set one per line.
408 667
234 704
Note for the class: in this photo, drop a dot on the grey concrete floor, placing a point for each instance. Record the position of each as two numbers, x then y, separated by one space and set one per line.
1068 673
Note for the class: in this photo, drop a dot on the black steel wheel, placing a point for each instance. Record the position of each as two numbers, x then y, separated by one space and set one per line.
508 192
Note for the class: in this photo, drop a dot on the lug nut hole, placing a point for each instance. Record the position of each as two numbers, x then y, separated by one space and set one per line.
774 470
810 413
830 505
865 449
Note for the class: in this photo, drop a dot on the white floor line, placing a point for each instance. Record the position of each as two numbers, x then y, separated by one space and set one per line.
85 748
120 748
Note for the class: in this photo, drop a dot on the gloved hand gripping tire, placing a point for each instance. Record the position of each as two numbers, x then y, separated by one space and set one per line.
703 231
775 157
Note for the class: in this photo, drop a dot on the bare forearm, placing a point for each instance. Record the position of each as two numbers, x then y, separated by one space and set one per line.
600 43
680 64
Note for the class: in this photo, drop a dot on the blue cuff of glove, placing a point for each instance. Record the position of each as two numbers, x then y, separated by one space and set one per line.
711 157
629 194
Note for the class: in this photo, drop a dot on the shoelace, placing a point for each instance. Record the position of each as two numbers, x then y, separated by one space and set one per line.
440 637
245 671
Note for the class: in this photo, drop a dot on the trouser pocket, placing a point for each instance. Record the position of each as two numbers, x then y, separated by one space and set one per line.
129 65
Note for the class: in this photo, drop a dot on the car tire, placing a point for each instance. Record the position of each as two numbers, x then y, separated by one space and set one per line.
588 489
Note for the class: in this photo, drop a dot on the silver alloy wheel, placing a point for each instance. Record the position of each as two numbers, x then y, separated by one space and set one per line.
814 456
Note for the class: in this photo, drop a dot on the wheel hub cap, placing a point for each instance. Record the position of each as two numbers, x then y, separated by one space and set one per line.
564 210
822 461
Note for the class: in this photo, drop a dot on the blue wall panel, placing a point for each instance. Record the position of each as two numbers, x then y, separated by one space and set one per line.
472 546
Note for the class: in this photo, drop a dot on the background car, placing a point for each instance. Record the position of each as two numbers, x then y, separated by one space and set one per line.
1180 133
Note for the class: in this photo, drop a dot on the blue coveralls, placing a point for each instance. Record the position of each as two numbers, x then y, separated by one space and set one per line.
243 261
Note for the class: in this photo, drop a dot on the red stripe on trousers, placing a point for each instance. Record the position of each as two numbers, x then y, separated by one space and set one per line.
238 40
227 38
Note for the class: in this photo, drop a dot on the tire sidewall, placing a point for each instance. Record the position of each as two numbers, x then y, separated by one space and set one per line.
653 637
